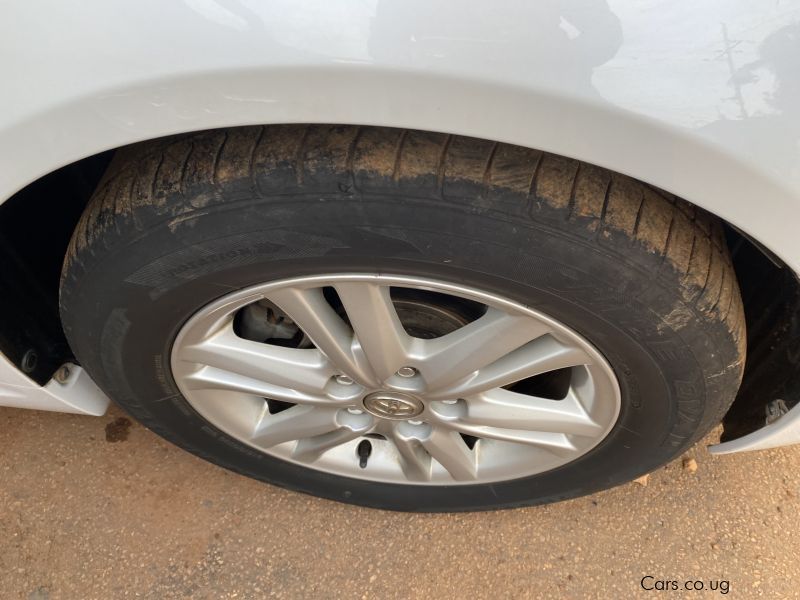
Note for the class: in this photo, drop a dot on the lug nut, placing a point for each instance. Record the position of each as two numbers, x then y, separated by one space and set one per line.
355 411
414 422
344 380
406 371
449 401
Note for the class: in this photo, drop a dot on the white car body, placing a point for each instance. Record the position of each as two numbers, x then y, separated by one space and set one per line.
702 100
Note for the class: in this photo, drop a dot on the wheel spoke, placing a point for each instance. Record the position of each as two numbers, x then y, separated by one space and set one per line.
414 459
211 378
377 327
509 410
306 371
294 423
452 357
310 311
539 356
450 450
310 449
555 443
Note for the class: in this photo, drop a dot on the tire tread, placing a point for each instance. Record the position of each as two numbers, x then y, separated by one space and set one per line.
314 158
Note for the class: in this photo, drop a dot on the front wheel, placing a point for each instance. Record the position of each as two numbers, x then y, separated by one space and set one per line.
402 319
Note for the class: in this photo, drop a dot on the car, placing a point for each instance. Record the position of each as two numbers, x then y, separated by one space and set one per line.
419 256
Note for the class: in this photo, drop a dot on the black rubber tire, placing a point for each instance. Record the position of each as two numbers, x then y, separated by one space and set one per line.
179 222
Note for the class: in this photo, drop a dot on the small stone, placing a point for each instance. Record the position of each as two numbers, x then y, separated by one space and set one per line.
689 464
643 480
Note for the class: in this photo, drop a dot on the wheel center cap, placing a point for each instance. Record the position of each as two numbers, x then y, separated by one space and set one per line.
393 405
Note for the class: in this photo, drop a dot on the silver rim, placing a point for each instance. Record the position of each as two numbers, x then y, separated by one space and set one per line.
342 386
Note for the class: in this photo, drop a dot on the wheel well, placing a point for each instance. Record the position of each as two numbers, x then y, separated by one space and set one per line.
771 296
37 222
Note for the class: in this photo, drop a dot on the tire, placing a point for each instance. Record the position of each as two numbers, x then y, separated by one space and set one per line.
177 223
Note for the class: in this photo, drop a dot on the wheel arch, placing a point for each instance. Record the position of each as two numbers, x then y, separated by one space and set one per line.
684 162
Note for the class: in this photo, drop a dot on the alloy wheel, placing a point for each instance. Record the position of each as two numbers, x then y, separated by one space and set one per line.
396 379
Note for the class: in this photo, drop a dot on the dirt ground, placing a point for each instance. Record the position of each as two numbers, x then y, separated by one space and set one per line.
84 517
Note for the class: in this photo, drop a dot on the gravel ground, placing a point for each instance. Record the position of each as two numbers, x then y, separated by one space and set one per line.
83 517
